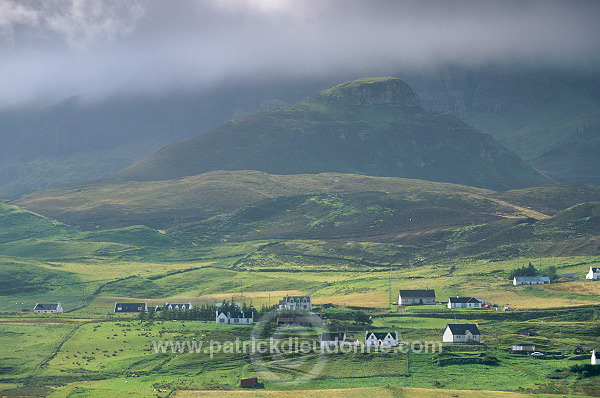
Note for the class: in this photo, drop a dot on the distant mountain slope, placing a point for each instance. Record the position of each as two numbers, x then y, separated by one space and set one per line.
545 115
575 157
79 139
371 126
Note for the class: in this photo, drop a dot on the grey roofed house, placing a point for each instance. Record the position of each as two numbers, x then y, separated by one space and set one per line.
130 308
461 333
416 297
234 317
378 335
54 308
338 336
461 328
239 314
296 303
531 280
464 300
333 339
418 293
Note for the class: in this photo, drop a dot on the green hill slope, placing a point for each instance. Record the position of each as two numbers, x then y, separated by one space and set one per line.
17 223
359 215
370 126
161 204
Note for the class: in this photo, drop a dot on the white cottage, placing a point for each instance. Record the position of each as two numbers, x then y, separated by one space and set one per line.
595 358
465 302
49 308
178 306
234 318
374 339
416 297
531 280
594 274
130 308
296 303
333 339
461 333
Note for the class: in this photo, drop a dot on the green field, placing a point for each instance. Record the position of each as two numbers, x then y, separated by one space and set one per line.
89 352
350 247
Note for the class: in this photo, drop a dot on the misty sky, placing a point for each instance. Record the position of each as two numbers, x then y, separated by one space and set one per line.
52 49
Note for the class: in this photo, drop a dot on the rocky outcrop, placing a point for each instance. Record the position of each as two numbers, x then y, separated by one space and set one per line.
385 92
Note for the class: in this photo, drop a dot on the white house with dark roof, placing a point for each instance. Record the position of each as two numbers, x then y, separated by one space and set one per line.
531 280
296 303
416 297
595 358
130 308
381 339
333 339
178 306
594 274
465 302
461 333
234 318
47 308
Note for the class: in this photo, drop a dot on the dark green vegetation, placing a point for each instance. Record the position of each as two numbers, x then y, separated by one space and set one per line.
374 221
370 126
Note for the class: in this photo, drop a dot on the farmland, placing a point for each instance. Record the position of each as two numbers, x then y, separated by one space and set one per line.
88 351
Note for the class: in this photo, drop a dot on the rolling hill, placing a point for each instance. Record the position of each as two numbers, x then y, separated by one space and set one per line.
418 218
162 204
372 126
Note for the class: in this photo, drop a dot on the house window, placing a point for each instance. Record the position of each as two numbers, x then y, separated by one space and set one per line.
236 320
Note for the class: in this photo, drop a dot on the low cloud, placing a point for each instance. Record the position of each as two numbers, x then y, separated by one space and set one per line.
57 48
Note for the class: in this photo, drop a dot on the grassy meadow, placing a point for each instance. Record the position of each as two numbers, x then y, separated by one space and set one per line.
90 352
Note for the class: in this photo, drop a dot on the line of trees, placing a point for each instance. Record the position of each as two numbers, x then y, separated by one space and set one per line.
529 270
205 312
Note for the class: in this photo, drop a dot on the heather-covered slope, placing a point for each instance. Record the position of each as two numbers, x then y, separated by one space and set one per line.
161 204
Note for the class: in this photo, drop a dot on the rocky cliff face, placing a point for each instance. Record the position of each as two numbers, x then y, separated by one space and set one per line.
384 92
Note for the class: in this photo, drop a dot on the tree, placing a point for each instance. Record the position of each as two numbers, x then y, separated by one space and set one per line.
551 272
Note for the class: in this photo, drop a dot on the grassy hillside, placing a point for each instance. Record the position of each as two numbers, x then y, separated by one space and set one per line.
370 126
160 204
17 223
360 215
21 278
428 220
